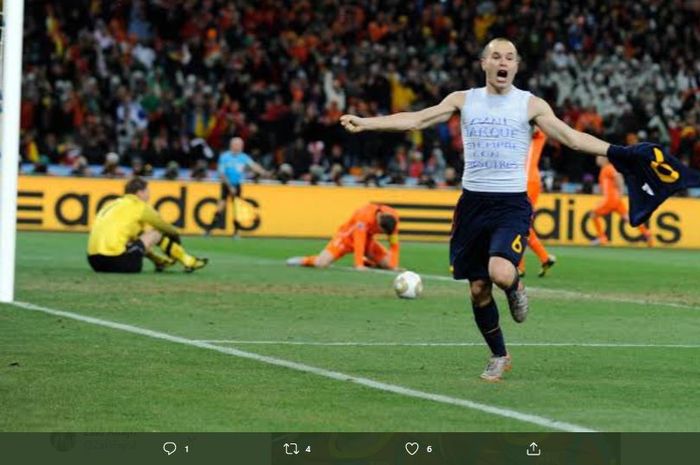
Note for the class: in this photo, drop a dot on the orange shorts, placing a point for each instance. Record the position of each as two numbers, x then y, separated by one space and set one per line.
340 246
607 206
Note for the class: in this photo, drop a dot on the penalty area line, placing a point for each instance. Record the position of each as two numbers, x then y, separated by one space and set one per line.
537 290
543 290
335 375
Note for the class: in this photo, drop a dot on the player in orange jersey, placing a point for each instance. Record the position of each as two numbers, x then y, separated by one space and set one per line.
533 192
611 185
357 236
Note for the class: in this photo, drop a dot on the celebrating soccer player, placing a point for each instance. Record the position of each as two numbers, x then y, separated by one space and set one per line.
492 218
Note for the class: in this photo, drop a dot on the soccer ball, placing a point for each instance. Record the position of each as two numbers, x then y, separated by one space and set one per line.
408 285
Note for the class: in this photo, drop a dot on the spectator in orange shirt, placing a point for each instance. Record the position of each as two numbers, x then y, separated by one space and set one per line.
378 28
533 192
590 121
611 185
357 236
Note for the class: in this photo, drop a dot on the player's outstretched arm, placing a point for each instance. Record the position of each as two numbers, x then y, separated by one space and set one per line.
407 121
544 117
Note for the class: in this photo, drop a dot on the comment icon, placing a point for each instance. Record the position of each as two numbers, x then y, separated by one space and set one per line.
169 447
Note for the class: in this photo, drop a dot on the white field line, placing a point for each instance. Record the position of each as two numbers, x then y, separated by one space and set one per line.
336 375
537 290
534 289
451 344
560 292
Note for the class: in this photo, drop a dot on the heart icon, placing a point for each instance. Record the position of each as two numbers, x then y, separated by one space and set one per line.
412 448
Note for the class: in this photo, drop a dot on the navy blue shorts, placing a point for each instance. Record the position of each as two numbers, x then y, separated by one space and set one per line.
486 225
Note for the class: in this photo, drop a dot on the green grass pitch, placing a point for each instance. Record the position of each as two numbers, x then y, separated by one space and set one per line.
612 344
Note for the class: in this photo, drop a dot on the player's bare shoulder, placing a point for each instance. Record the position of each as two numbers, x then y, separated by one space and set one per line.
456 99
537 106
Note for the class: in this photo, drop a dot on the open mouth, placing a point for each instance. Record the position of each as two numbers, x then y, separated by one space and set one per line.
502 73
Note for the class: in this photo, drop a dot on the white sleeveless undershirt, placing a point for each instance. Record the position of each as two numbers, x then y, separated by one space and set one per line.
496 137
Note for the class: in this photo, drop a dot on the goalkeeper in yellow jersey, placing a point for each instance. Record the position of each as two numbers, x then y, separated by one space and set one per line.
127 229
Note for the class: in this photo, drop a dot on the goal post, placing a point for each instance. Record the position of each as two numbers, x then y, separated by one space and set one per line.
11 69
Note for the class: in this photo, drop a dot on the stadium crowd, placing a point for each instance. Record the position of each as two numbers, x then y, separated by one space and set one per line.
137 85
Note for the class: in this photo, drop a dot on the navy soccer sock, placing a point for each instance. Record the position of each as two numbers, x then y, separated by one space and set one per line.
486 318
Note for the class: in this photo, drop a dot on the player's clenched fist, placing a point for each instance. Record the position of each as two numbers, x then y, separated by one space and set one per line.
352 123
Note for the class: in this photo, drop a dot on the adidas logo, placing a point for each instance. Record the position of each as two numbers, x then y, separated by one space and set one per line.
647 189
